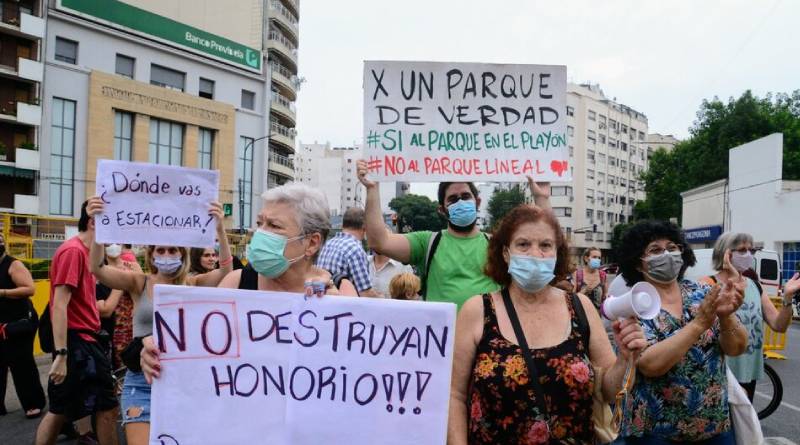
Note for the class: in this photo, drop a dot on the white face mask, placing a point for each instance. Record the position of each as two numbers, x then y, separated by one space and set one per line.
113 250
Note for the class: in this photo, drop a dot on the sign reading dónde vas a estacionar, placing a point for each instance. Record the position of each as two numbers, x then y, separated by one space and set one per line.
119 14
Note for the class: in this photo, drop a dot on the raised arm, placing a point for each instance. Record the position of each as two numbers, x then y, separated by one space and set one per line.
540 192
22 278
780 319
213 278
110 276
393 245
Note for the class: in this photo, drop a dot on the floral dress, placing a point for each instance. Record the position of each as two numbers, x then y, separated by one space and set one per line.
690 402
502 402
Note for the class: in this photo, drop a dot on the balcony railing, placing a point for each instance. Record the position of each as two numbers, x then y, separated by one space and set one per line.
10 107
284 11
282 130
282 100
282 160
279 37
277 67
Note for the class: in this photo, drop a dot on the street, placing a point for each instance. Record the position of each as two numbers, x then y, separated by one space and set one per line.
781 428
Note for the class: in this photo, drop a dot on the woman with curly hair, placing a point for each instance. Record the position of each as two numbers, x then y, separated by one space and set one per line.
496 397
680 395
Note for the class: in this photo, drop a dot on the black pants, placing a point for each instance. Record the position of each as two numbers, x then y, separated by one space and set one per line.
16 354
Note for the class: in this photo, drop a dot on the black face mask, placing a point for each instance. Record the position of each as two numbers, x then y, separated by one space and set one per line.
459 229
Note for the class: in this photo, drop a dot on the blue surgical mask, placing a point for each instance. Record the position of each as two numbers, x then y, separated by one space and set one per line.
594 263
462 213
532 273
167 265
265 253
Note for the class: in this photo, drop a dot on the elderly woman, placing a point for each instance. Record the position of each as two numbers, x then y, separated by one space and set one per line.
292 226
736 249
168 265
495 396
680 395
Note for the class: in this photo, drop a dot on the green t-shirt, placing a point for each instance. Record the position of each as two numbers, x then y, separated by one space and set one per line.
457 267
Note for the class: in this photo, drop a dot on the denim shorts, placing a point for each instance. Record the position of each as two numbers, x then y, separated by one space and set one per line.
135 398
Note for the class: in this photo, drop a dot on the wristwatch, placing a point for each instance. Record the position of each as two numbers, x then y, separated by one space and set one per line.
62 351
787 303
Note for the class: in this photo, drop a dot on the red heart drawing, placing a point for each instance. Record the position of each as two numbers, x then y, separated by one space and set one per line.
558 167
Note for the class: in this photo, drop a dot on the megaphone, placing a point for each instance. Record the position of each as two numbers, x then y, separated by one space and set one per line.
641 301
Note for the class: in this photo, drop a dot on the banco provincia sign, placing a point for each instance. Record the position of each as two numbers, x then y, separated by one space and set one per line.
122 15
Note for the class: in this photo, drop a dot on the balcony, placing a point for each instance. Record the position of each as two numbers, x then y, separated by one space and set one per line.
283 106
19 19
279 43
293 4
282 135
27 158
22 68
285 17
284 78
21 112
281 165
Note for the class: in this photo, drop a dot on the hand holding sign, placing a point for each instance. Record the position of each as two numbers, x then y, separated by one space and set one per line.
156 204
362 169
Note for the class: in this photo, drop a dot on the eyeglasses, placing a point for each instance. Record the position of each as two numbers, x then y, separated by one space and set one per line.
658 250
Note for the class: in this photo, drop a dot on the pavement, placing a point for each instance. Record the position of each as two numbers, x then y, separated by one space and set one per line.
781 428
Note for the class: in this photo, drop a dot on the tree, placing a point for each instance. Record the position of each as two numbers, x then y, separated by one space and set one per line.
416 212
502 201
703 157
616 240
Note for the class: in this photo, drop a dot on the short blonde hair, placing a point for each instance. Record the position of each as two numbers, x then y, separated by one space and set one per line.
403 284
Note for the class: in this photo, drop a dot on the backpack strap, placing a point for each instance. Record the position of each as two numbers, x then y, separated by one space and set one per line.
433 243
580 314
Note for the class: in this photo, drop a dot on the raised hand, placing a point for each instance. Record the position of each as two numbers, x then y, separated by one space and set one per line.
215 210
362 170
707 312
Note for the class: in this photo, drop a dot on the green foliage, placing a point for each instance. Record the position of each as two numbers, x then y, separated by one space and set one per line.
417 212
502 201
703 158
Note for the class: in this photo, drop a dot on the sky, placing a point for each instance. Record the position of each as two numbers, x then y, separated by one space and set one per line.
661 58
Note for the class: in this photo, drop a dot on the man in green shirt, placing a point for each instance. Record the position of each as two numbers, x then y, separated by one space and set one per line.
456 269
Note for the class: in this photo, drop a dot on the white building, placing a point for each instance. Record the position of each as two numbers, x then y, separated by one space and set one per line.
754 199
656 141
608 152
134 81
333 170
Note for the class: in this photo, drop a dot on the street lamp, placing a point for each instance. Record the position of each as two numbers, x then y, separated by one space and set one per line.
249 144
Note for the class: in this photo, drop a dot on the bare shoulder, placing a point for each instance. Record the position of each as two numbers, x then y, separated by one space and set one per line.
231 281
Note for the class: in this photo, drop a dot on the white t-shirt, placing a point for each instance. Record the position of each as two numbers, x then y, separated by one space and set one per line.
380 278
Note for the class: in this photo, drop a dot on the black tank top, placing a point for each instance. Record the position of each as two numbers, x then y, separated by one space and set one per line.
249 278
11 309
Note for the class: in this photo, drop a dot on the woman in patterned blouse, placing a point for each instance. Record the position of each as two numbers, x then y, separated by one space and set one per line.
680 394
493 399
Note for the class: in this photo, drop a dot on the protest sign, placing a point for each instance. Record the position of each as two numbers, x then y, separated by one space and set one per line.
433 121
276 368
155 204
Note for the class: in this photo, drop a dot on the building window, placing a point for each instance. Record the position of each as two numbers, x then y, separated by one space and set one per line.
62 156
246 150
570 131
624 129
205 145
166 142
561 190
248 100
562 211
601 177
602 138
602 121
590 156
641 136
591 136
66 51
592 115
612 142
124 66
123 136
570 111
167 78
206 88
623 146
601 158
590 215
589 173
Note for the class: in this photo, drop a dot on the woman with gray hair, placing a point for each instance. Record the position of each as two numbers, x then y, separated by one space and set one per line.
735 251
292 226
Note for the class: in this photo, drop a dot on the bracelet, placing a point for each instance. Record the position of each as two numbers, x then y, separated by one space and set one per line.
730 330
226 262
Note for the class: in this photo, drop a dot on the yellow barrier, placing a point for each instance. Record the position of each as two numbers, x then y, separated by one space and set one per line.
774 341
40 299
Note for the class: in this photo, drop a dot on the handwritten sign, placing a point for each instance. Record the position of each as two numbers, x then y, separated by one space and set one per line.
155 204
275 368
431 121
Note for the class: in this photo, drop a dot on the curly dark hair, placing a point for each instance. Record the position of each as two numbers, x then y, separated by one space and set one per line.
496 266
635 240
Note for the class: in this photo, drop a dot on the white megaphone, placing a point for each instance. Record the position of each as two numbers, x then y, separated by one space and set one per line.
641 301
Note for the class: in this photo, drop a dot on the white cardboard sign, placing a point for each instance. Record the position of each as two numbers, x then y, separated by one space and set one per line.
434 121
155 204
276 368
